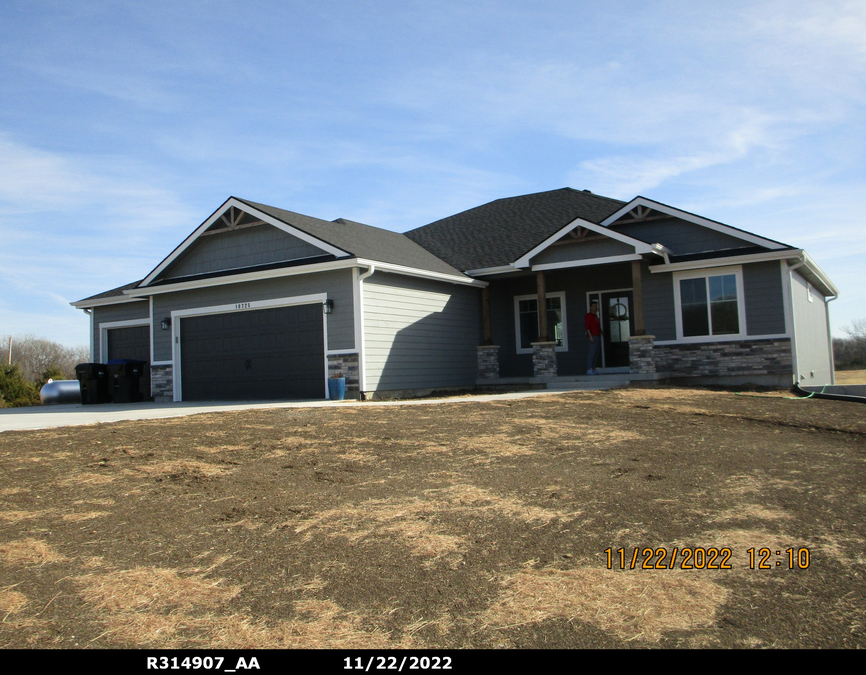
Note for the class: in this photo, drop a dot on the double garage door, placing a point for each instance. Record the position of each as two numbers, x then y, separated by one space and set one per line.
263 354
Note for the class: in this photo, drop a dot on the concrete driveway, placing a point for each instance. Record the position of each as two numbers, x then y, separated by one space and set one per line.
46 417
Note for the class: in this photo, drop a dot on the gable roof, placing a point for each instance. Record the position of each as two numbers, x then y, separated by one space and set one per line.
362 241
500 232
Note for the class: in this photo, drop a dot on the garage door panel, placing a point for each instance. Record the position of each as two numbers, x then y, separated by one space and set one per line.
255 355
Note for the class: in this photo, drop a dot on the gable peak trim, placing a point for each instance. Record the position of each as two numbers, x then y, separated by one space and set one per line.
229 206
692 218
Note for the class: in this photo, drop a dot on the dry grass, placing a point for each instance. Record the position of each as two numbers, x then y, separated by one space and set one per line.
11 602
88 515
629 605
184 468
154 589
28 552
851 377
153 606
417 521
749 512
87 479
21 516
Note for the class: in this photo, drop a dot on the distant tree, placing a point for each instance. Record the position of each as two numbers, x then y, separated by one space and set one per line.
16 391
850 353
34 356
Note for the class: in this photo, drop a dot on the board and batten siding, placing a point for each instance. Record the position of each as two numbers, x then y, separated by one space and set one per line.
127 311
419 334
811 332
336 284
765 308
680 236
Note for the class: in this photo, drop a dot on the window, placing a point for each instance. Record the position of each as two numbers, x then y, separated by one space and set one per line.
526 321
709 304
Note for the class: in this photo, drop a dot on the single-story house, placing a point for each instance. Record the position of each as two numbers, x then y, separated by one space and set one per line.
262 303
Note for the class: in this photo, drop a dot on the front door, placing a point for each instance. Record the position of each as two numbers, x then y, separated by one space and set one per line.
617 322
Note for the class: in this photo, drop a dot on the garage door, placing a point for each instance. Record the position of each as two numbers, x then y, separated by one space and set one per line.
265 354
129 343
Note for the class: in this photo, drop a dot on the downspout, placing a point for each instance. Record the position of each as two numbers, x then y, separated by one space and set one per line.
89 313
791 269
362 354
827 302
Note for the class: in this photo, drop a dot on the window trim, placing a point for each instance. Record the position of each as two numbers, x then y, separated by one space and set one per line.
737 271
534 296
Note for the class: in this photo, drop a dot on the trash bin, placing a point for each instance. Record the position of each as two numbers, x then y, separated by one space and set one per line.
124 376
93 378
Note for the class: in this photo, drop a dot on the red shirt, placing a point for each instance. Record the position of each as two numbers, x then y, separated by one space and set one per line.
593 326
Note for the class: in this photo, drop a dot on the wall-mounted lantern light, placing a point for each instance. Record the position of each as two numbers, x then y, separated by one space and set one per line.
165 324
329 306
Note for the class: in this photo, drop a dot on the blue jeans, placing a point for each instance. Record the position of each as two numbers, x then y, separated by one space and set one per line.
592 354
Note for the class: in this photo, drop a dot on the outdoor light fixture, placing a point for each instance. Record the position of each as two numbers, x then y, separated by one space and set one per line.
329 306
165 324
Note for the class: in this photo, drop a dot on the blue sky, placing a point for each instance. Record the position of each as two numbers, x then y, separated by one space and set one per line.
123 125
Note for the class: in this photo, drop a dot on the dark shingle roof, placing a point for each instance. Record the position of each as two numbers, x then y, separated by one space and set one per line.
500 232
362 241
113 293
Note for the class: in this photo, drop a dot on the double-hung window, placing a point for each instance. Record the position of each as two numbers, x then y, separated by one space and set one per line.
709 303
526 321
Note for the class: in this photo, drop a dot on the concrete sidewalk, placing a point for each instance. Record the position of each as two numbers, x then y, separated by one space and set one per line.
48 417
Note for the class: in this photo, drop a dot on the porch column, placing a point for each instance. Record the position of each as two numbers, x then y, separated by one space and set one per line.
637 295
485 316
542 306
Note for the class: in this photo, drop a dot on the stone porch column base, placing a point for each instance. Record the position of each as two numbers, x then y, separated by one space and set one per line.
544 359
488 362
641 357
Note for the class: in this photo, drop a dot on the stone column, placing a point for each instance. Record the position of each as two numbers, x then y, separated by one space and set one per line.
488 362
544 359
346 365
640 354
162 383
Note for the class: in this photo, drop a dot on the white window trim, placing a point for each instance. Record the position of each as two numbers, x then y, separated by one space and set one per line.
704 274
518 298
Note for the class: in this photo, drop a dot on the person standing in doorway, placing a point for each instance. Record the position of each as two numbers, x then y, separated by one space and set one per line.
593 332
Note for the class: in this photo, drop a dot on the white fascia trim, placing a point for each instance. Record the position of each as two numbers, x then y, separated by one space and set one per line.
639 246
502 269
249 276
285 227
691 217
104 327
723 338
115 300
586 262
818 272
788 254
424 274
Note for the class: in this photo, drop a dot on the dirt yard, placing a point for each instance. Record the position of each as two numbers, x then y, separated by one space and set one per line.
481 525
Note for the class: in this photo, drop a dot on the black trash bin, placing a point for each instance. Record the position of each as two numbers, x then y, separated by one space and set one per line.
124 376
93 378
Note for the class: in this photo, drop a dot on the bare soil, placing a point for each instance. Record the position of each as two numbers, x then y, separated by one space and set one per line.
452 525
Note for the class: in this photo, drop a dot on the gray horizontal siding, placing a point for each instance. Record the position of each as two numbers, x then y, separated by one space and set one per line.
337 284
680 236
658 304
419 333
595 248
762 286
247 247
125 312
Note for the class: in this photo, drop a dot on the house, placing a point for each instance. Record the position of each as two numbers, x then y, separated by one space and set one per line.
263 303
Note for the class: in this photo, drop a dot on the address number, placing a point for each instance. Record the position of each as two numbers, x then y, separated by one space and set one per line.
243 305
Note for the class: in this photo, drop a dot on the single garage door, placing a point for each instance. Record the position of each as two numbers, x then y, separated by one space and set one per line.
264 354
